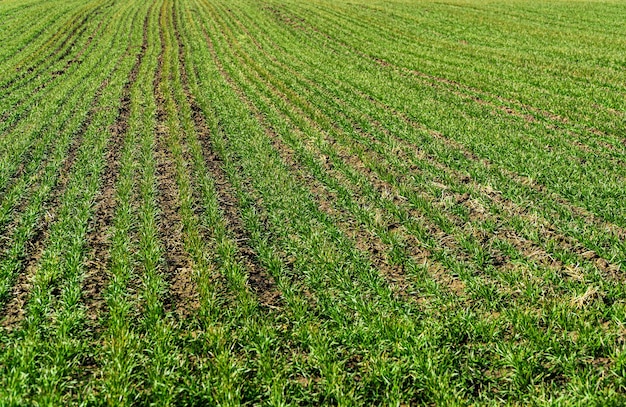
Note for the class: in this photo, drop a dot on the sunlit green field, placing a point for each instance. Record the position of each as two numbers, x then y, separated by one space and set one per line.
324 202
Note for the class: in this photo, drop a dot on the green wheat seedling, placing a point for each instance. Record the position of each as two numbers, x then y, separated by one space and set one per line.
282 203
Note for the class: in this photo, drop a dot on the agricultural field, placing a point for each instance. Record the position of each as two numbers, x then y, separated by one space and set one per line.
324 202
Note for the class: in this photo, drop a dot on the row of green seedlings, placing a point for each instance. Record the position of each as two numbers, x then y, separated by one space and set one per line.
46 350
220 378
613 239
147 363
16 54
141 361
134 292
166 368
31 142
403 46
310 98
231 65
29 196
436 215
550 165
47 65
333 284
398 143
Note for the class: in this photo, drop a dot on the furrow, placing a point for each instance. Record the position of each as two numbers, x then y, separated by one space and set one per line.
178 265
261 283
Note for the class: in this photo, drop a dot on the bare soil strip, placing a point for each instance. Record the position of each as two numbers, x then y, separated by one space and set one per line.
15 308
104 208
261 283
182 298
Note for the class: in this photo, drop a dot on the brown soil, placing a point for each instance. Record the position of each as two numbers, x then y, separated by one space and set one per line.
15 308
283 17
183 292
261 283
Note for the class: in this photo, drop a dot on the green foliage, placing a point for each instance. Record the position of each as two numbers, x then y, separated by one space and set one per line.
321 203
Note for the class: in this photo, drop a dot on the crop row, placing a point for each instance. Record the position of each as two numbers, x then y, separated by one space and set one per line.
207 202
